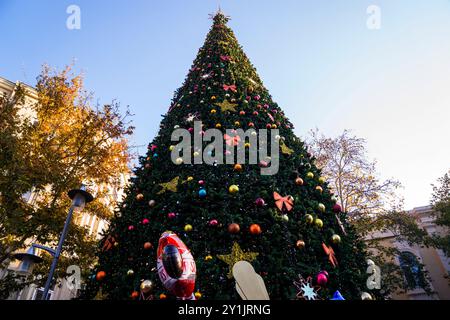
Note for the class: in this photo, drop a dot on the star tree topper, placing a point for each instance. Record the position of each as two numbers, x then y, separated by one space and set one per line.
235 256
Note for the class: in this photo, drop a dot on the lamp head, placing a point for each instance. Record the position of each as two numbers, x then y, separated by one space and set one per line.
80 197
27 260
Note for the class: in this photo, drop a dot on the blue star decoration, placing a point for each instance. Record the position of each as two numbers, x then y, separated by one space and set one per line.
306 290
337 296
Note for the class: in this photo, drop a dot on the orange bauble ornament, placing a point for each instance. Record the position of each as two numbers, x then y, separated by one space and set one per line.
162 296
234 228
147 246
238 167
101 275
135 295
299 181
255 229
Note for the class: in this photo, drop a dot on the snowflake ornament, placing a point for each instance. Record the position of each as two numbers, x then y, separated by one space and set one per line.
306 290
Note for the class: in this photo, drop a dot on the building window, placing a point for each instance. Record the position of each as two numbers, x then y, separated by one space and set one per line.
412 270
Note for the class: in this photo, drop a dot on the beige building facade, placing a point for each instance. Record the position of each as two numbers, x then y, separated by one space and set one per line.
434 261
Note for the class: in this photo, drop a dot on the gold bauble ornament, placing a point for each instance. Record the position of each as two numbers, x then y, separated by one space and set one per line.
300 244
146 286
188 228
321 207
139 197
336 239
233 189
309 218
319 223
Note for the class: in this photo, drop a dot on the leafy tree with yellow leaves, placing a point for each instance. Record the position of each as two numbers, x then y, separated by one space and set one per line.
67 141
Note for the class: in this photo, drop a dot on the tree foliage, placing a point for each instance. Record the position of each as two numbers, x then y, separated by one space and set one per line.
48 146
441 204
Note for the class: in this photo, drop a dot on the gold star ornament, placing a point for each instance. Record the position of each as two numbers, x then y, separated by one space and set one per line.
285 149
169 186
235 256
226 106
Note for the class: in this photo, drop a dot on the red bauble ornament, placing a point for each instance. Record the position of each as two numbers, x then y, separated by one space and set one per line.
337 208
251 124
255 229
234 228
269 126
135 295
130 228
322 278
145 221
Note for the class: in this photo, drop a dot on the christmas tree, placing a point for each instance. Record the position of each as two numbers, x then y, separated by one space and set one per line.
287 225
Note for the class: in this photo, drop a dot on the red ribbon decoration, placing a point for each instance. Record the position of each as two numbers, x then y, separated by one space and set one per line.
330 253
231 87
234 141
281 202
109 243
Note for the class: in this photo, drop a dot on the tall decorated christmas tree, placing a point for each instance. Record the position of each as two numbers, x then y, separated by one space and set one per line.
287 224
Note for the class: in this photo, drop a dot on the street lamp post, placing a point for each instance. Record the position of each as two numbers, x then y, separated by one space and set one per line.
79 199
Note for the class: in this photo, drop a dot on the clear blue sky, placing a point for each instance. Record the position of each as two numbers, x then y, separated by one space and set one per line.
318 59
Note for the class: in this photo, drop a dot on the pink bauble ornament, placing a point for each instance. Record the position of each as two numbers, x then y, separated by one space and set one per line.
322 278
337 208
213 223
263 164
130 228
145 221
171 215
260 202
201 182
